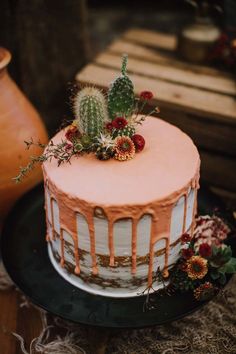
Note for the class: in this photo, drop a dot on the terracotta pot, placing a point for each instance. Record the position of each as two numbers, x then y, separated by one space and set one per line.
19 121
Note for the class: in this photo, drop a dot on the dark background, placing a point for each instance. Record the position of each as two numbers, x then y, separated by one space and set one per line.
52 40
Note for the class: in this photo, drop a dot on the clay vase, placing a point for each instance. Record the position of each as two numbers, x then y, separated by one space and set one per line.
19 121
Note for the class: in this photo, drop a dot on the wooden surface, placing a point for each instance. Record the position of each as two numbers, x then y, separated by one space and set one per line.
25 321
198 99
19 316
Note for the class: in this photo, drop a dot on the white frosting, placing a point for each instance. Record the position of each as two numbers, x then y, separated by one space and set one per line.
122 246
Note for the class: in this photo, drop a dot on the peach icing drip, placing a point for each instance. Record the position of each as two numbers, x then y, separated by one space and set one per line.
90 221
185 212
111 242
134 244
160 210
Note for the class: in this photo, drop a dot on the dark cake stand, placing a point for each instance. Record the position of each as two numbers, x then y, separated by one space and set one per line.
25 256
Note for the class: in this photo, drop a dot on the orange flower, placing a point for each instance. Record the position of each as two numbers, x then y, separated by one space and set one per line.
197 267
124 148
204 291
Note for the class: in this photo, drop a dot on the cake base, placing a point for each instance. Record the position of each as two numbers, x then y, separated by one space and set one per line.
25 257
79 283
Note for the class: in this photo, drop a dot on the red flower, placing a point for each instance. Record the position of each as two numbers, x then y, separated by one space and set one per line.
185 237
146 95
72 133
205 250
187 253
109 126
183 266
138 141
119 123
68 147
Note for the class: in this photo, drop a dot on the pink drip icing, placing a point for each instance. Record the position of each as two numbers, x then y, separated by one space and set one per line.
185 213
160 209
111 243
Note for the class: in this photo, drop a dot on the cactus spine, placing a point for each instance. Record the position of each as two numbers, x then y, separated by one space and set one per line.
90 111
121 94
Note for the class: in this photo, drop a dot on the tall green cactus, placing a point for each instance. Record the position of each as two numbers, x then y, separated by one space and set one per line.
121 94
90 111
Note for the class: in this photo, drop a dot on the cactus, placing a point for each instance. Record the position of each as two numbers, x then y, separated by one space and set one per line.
126 131
121 94
90 111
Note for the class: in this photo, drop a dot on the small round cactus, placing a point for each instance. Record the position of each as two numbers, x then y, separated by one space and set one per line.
90 111
121 94
126 131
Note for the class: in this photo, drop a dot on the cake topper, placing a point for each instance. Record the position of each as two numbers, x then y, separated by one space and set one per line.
121 98
104 125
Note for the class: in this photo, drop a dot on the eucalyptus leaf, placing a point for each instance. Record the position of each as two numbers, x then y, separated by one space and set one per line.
222 279
214 274
229 267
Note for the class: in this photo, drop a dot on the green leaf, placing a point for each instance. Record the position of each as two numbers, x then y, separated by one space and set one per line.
229 267
227 253
220 256
214 274
222 279
215 251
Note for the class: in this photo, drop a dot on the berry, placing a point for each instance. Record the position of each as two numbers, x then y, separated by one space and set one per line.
138 141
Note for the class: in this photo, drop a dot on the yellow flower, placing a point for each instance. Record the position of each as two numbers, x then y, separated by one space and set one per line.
197 267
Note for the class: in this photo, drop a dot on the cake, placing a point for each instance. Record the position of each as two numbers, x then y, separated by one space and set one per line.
121 202
112 224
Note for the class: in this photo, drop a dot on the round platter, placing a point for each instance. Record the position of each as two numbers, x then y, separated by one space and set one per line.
25 256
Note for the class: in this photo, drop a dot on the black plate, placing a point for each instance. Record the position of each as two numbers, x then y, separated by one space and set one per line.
25 257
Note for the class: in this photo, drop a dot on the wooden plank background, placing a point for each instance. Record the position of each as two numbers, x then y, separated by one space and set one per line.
198 99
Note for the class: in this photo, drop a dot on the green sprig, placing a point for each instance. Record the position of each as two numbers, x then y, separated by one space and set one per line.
56 151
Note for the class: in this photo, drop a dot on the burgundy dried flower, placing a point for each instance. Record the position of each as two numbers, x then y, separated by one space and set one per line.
72 133
109 126
185 238
146 95
183 266
119 123
139 142
187 253
205 250
68 147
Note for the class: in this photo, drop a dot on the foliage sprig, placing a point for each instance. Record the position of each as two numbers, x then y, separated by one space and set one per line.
204 264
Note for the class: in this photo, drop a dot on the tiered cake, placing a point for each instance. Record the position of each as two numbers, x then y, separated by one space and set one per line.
111 225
